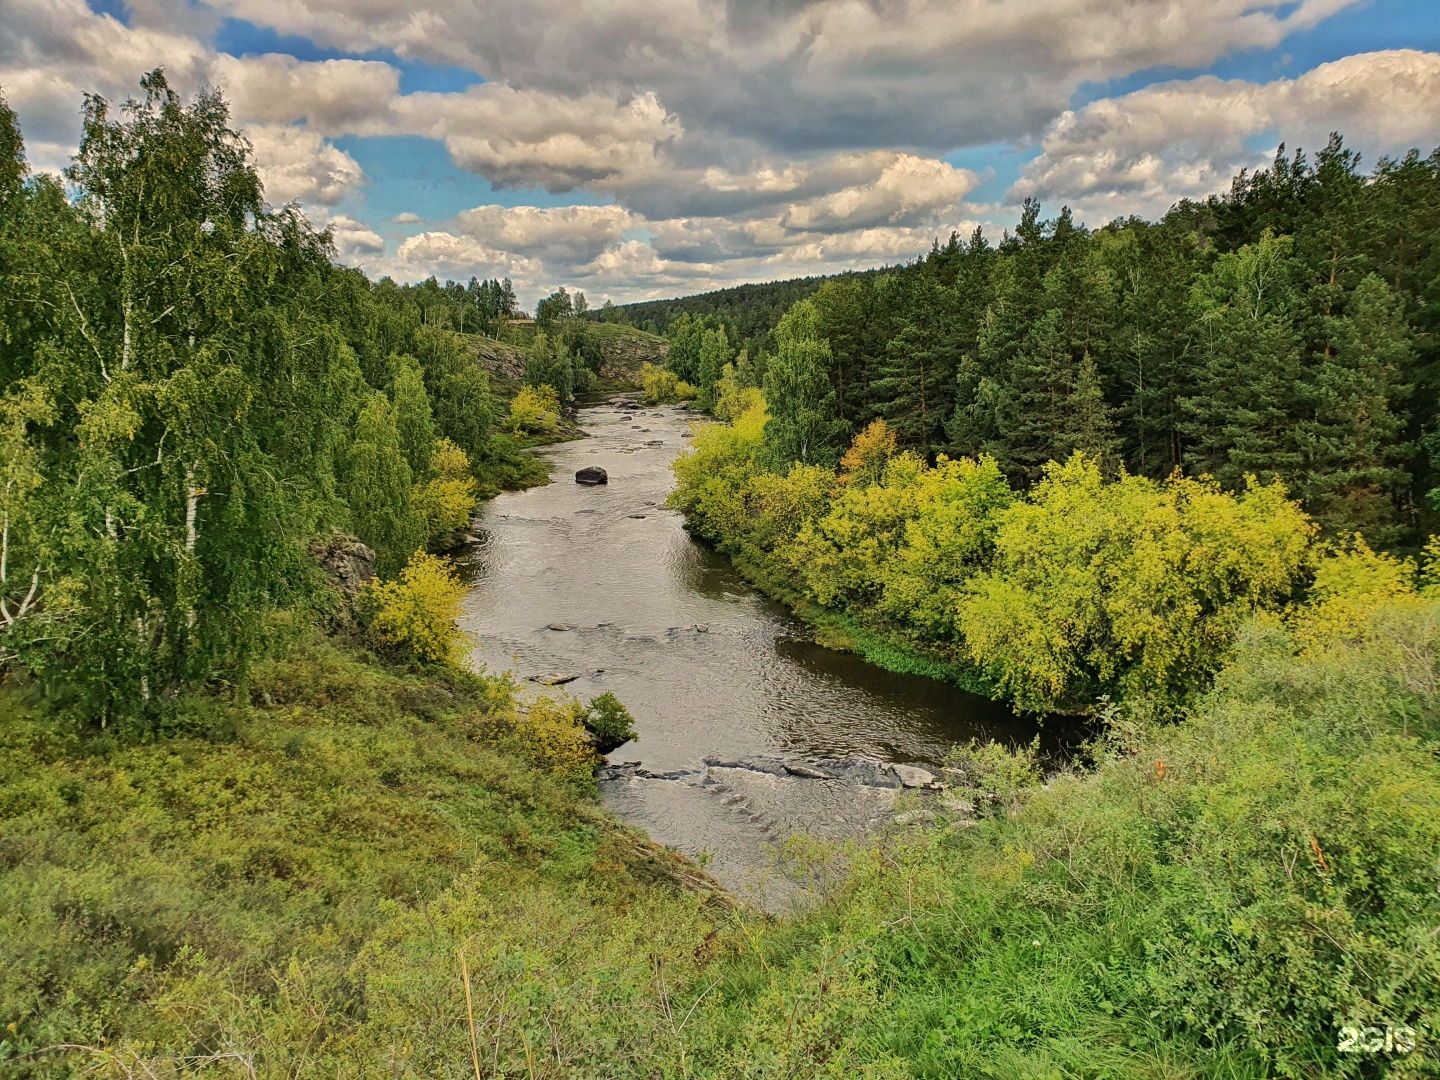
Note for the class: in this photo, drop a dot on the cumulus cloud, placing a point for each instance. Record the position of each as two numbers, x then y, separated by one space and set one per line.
531 138
354 240
297 165
810 75
1141 152
734 139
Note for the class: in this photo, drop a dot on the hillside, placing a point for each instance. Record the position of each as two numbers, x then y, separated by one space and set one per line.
623 350
751 310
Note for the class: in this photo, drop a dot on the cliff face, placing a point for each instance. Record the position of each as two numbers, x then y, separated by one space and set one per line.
624 351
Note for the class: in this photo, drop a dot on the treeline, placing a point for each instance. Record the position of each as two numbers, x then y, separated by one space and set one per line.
1286 330
748 313
479 307
190 390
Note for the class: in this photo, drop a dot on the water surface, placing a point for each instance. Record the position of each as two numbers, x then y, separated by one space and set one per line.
710 668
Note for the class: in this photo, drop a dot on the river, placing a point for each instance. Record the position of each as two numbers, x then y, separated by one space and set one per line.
605 583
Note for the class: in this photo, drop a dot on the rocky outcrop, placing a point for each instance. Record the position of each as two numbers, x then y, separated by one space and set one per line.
350 566
592 475
348 563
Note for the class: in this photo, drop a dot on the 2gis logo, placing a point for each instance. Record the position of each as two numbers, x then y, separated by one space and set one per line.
1377 1040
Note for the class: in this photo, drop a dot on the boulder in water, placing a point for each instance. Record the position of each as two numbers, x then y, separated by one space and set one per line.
910 776
592 475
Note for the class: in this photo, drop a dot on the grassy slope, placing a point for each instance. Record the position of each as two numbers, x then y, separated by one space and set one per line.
291 880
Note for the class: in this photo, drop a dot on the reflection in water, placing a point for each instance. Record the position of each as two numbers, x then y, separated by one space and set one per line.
708 666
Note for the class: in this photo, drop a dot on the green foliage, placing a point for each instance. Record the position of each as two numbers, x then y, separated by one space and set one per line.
1218 897
549 363
662 387
1127 588
293 881
535 410
607 718
378 489
201 399
803 425
413 422
905 544
446 498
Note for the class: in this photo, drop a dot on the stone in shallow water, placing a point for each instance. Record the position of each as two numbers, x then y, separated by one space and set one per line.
556 626
554 679
592 474
910 776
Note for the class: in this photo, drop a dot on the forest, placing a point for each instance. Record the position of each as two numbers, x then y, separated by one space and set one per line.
1284 330
1171 476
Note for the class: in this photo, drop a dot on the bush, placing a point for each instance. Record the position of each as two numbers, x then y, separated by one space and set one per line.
664 387
535 411
607 719
416 615
446 499
1131 587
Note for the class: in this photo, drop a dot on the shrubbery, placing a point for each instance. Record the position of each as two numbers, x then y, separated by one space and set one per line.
664 387
1080 589
535 411
416 615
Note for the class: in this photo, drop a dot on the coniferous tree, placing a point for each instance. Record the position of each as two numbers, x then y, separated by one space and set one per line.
1245 417
1354 472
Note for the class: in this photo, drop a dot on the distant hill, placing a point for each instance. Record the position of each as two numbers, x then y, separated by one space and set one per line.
750 310
624 349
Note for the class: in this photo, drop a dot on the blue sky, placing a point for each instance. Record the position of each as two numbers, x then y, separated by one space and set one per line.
660 147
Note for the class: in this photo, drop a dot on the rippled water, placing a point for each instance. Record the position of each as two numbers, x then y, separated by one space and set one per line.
710 668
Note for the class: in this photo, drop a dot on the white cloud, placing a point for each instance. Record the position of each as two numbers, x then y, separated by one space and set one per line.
297 165
1142 152
354 240
806 75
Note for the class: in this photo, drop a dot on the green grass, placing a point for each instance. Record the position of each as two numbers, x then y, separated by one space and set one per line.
292 880
285 887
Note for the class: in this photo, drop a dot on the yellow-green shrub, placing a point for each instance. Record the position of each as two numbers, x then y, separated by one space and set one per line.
416 615
902 537
664 387
549 733
535 410
446 498
1127 587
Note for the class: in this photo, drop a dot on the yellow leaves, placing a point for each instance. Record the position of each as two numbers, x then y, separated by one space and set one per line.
864 462
447 499
1351 584
548 733
664 387
1130 586
535 410
417 614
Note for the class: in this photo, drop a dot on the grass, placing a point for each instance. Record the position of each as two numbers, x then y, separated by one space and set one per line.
292 885
293 881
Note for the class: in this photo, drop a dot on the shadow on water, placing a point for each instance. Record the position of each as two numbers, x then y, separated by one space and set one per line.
604 583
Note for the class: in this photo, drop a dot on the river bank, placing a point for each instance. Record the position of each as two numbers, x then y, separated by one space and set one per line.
605 588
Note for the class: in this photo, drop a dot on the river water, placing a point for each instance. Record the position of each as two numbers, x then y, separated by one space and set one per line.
604 583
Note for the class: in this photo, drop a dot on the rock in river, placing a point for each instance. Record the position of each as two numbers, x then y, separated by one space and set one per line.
592 474
912 777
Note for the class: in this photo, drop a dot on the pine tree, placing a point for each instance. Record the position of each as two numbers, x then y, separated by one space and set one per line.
1356 451
1245 416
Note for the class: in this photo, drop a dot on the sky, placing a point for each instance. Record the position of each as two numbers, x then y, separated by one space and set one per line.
638 149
